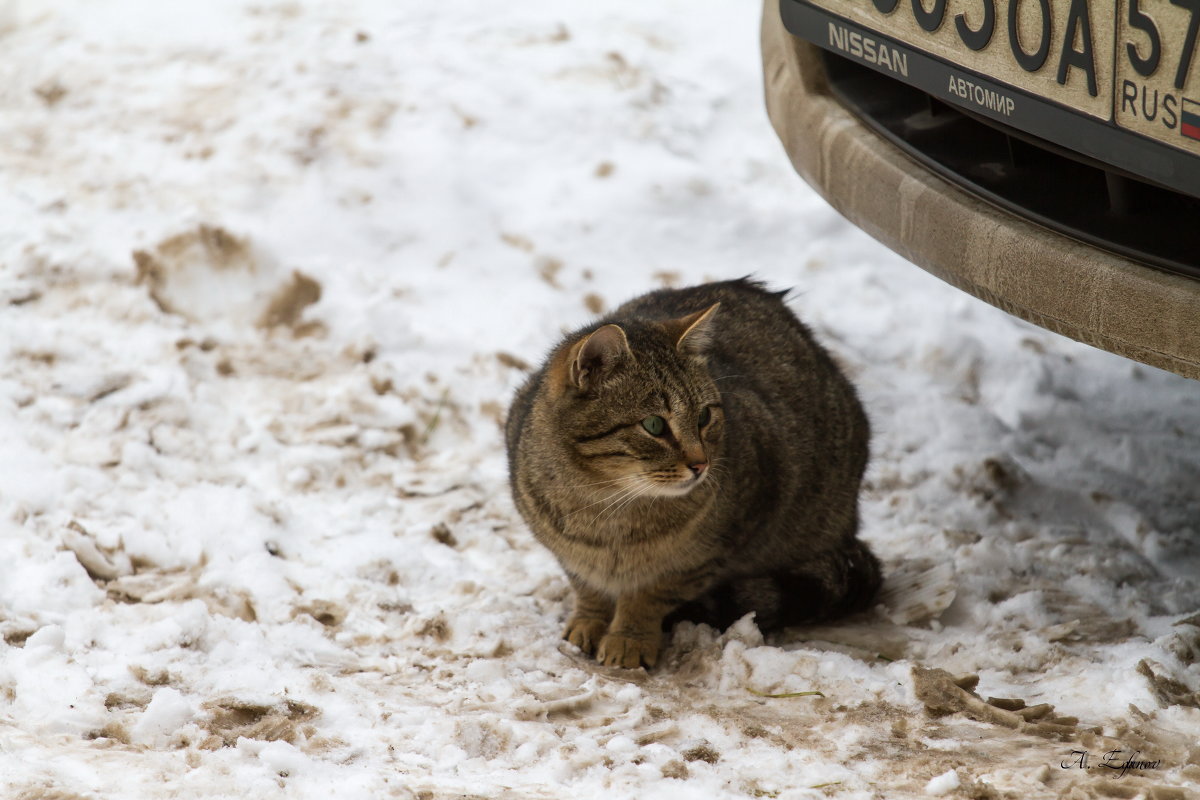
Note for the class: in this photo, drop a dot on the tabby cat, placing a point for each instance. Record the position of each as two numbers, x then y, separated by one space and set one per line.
695 454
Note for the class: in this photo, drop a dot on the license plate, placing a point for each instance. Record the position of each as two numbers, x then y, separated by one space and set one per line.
1132 63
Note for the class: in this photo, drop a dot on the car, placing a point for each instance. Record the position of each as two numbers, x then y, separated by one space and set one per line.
1043 155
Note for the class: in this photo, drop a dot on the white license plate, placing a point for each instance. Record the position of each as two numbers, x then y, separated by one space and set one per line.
1135 63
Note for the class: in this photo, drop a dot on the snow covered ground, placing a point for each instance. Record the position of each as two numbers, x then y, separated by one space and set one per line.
269 274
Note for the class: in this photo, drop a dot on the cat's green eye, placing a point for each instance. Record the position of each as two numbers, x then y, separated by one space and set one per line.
654 425
705 416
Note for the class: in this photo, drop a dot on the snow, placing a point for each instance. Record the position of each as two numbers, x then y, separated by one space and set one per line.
167 712
942 784
255 543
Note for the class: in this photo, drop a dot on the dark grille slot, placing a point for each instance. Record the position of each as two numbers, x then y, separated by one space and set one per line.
1035 179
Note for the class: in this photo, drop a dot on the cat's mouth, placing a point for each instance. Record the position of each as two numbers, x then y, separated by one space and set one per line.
678 487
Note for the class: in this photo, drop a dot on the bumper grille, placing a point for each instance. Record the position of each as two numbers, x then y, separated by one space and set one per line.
1055 187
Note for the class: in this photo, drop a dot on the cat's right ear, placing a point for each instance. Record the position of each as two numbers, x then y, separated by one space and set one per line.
694 333
593 358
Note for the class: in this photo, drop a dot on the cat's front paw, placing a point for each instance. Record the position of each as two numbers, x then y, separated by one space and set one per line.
620 650
585 632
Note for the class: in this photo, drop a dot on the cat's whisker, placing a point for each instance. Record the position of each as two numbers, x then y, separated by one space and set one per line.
719 488
629 482
653 499
626 494
617 497
643 490
623 478
717 472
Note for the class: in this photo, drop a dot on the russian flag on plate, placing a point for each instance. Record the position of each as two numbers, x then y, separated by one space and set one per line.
1190 124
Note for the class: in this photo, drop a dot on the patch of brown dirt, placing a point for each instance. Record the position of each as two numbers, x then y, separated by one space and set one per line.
435 627
1169 691
209 273
158 586
548 269
45 791
289 302
702 752
231 719
515 362
158 678
210 246
943 694
323 611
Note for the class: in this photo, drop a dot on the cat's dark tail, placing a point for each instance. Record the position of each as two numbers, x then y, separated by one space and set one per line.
826 586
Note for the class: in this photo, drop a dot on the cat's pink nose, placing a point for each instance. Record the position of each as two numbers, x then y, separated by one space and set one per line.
698 468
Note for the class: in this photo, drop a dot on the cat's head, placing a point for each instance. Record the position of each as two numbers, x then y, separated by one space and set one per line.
637 407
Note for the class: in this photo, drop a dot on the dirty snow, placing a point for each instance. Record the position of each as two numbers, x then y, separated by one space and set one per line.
269 274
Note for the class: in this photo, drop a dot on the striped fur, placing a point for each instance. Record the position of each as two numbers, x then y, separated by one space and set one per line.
745 502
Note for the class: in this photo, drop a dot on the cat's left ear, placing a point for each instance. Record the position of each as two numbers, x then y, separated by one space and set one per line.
695 331
595 357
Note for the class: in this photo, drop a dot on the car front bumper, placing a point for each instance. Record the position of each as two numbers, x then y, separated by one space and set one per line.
1039 275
